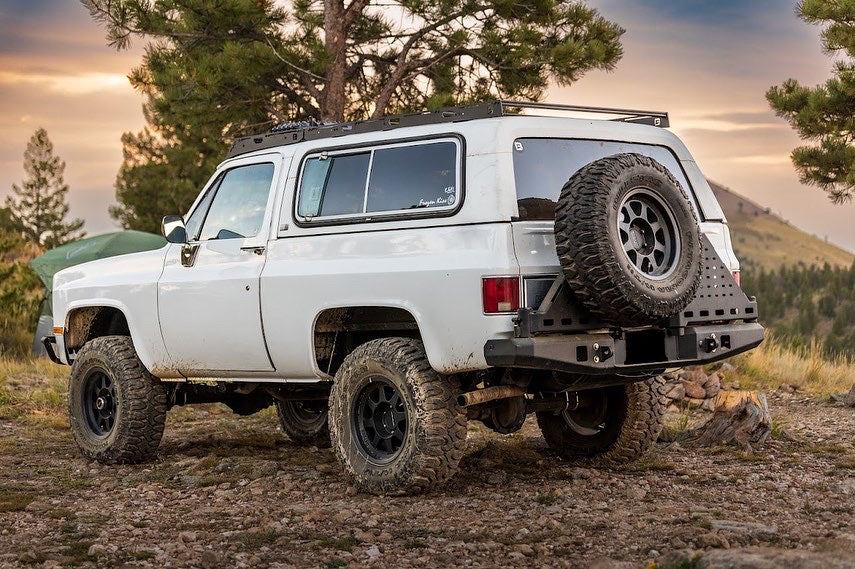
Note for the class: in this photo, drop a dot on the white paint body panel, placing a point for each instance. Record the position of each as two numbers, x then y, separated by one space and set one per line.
430 267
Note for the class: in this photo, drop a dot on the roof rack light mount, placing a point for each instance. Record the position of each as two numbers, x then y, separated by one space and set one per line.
285 136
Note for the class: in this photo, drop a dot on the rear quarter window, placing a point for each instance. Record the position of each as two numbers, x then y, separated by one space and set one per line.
543 165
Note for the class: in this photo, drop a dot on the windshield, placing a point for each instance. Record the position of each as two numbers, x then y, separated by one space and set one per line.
543 165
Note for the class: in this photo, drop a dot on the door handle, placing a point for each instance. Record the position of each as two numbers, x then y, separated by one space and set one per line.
257 249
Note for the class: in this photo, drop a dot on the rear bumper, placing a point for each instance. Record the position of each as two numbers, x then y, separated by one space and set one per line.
633 351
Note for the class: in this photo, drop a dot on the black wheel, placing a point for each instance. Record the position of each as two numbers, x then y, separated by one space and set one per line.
305 422
117 409
395 424
615 425
628 240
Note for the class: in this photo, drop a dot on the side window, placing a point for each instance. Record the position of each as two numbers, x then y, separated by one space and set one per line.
239 202
409 177
400 178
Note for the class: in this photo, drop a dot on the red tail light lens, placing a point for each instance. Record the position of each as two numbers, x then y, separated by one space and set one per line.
500 294
736 278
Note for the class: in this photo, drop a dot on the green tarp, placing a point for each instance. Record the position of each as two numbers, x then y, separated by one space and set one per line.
70 254
92 248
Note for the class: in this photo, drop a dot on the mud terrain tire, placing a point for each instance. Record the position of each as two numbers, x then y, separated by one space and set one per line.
622 431
305 422
395 424
117 409
628 240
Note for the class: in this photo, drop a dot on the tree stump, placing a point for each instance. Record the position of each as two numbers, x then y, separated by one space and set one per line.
741 418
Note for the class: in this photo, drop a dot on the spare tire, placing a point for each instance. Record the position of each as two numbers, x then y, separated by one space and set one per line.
628 240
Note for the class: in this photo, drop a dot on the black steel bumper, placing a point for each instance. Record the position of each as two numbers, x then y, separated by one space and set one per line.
49 342
631 351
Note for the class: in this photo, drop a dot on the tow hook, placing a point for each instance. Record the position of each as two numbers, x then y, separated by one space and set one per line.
709 344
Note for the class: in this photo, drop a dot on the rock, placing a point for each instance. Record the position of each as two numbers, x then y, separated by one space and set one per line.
712 539
314 515
849 398
676 393
52 564
209 560
524 548
713 385
187 536
767 558
693 389
743 527
373 552
363 536
351 491
635 493
96 550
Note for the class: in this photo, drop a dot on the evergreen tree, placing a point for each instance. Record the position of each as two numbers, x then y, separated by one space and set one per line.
825 114
217 69
38 207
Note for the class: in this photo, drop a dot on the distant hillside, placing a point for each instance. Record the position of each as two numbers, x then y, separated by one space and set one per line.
762 239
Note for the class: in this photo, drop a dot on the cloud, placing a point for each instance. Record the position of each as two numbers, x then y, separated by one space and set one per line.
78 84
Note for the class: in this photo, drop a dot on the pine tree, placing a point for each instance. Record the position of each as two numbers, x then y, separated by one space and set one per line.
825 114
38 207
215 70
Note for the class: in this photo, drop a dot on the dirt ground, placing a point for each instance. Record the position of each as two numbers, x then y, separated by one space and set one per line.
228 491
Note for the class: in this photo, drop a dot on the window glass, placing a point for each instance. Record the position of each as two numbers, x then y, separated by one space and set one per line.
194 222
345 189
239 203
543 165
410 177
312 187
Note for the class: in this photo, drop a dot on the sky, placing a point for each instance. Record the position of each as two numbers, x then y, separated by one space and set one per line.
707 62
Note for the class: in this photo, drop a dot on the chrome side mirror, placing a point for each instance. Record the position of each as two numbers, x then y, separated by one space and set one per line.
173 229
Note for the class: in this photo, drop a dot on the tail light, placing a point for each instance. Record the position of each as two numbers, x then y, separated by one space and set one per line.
500 294
736 278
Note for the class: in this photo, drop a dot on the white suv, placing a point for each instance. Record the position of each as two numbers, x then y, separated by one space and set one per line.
384 281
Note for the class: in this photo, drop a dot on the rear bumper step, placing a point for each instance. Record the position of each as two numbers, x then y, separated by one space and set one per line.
634 351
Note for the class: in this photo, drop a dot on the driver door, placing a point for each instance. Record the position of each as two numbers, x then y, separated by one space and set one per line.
208 294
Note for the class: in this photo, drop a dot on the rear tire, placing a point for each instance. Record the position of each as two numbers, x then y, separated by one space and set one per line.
619 426
305 422
395 424
117 409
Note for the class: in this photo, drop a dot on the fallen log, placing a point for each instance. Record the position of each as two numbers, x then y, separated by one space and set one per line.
741 418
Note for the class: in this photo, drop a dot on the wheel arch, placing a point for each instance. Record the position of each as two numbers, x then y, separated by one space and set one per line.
336 331
85 321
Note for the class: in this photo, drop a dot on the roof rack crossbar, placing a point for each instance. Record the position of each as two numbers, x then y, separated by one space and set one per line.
283 137
629 114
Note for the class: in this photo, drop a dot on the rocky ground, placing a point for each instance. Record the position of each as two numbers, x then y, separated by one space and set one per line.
235 492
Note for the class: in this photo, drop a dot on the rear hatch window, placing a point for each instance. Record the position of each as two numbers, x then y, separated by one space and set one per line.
543 165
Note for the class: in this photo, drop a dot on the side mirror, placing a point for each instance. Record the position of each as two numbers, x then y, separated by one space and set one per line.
173 229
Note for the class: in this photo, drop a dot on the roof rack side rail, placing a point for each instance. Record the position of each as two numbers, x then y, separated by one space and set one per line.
653 118
298 132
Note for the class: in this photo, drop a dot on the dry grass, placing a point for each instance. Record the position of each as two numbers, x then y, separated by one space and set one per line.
34 388
772 364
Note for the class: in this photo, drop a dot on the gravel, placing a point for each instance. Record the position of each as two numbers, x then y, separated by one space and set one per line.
232 491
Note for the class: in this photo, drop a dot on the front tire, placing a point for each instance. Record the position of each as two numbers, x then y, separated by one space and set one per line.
395 424
117 409
618 425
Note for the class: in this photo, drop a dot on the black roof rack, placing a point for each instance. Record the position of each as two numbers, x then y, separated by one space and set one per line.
283 135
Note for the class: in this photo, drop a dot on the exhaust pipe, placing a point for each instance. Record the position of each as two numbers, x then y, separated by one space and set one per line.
489 394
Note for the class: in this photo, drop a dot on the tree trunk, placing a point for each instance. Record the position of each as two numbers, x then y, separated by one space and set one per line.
741 418
333 96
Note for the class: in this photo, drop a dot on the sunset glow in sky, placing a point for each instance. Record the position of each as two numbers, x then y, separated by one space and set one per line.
707 62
